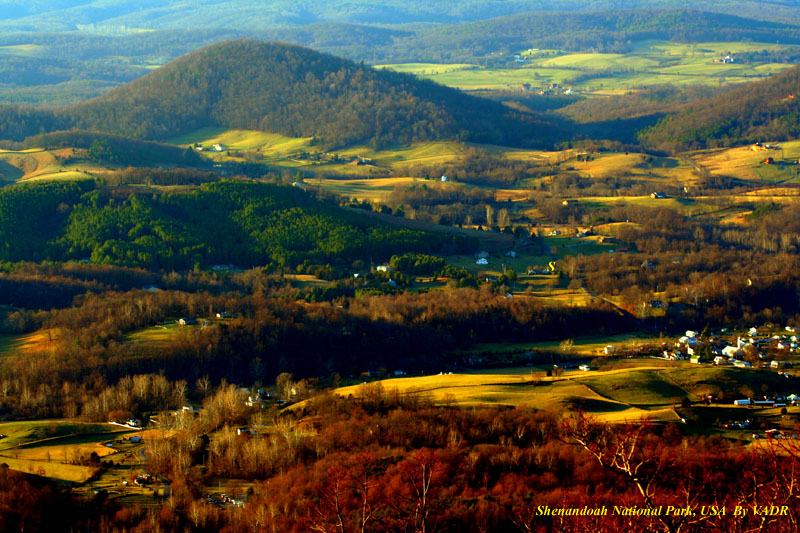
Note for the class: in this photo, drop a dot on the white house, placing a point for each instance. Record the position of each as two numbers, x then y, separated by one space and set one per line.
482 261
731 351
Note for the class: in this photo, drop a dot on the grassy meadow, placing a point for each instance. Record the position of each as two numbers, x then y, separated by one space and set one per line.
623 392
648 63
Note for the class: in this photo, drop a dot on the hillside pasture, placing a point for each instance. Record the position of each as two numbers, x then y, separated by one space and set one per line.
598 61
421 69
73 474
745 163
649 63
156 336
629 391
374 190
26 342
596 392
33 432
23 50
267 145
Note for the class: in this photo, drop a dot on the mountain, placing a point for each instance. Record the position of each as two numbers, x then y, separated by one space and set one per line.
287 89
767 110
602 31
119 16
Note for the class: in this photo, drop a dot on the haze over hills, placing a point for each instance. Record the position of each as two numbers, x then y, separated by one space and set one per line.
57 69
295 91
116 15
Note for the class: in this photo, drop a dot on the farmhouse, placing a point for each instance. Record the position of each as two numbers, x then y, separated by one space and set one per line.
482 261
658 195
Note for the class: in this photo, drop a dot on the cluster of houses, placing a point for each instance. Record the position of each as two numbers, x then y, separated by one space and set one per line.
745 351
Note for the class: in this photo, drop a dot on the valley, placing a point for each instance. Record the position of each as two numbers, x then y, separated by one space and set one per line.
358 267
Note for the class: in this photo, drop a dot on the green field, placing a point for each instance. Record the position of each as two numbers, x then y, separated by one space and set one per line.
649 63
422 69
27 433
364 189
599 61
25 50
157 336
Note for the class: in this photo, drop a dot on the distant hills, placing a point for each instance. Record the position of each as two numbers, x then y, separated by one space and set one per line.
115 16
767 110
53 69
291 90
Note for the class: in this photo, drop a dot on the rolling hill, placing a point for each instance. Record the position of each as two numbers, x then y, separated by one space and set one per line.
286 89
236 222
765 110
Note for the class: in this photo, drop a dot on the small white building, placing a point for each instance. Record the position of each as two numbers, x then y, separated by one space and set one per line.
732 351
482 261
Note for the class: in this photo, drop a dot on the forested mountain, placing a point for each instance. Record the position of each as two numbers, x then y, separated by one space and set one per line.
602 30
607 31
225 222
764 110
298 92
119 15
